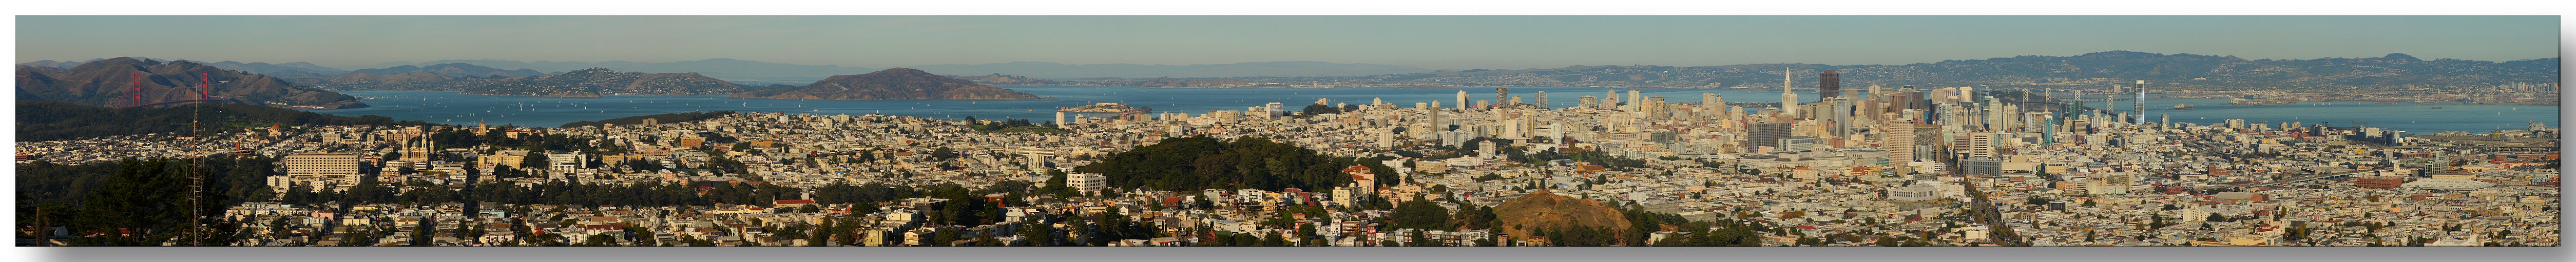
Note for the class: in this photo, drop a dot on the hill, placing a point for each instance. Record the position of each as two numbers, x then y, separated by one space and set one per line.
297 72
1176 82
1284 68
1001 79
718 67
46 120
107 81
1542 210
592 82
451 69
1194 163
890 84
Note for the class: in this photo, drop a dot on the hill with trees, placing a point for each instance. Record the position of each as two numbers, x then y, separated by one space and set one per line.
891 84
592 82
1195 163
1573 221
111 81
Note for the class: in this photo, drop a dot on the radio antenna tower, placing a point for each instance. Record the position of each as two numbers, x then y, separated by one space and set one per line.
197 176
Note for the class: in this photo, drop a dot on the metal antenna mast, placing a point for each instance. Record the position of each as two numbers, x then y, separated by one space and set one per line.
197 177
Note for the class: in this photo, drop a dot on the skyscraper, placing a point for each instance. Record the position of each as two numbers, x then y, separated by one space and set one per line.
1501 94
1634 98
1766 134
1462 99
1788 100
1542 99
2138 102
1840 117
1897 136
1610 100
1274 109
1829 84
1587 102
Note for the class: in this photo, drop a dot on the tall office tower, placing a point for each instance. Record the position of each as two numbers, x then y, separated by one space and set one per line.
1386 137
1656 110
1710 100
2008 119
1635 97
1587 102
1962 95
1542 100
1275 109
1981 144
1462 99
1501 94
2138 102
1902 99
1708 107
1059 118
1766 134
1440 120
2047 123
1788 100
1829 84
1610 99
1839 117
1897 136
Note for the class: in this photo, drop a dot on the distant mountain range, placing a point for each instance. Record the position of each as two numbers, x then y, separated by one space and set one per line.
477 80
1001 79
890 84
1057 70
735 68
451 69
2100 69
719 67
109 82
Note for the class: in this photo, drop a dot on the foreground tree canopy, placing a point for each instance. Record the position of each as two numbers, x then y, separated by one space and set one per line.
1197 163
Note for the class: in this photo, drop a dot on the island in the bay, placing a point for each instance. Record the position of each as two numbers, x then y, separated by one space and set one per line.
890 84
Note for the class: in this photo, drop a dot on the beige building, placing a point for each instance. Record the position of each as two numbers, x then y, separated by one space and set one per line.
340 168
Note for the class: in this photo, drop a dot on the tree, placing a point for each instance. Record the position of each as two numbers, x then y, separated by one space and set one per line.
1318 109
1419 214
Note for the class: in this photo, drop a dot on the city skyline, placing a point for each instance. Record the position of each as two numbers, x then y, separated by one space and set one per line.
1481 42
2200 131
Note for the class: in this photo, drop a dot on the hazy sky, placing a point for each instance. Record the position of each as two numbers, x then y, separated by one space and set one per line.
1439 42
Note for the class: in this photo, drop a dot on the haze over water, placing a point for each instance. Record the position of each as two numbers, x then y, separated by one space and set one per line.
453 108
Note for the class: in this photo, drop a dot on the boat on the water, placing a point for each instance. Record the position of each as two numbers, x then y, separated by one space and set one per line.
2182 107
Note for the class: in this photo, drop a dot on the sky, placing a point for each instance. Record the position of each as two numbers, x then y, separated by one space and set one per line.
1437 42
